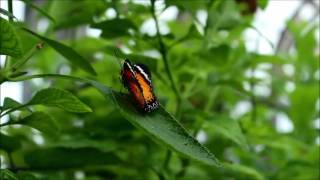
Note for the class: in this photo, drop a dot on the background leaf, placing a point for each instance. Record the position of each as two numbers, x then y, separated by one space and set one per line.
55 158
42 122
68 53
9 41
226 127
59 98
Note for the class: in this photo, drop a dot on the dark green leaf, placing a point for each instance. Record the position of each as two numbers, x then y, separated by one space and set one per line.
26 176
9 41
9 143
42 122
75 143
9 103
60 158
115 27
7 13
59 98
67 52
162 127
78 13
135 58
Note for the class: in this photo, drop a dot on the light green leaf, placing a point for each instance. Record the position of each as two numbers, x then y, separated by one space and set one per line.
5 174
163 128
67 52
59 98
9 42
40 121
243 172
263 3
227 127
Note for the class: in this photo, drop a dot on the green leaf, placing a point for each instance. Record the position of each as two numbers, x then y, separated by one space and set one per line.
9 41
5 174
227 127
115 27
59 98
42 122
61 158
78 13
67 52
9 143
243 172
163 128
263 3
26 176
135 58
7 13
9 103
44 13
75 143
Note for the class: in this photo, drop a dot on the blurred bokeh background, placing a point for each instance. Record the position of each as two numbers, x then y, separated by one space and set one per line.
252 62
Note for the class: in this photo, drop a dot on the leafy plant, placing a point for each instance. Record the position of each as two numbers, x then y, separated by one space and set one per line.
78 122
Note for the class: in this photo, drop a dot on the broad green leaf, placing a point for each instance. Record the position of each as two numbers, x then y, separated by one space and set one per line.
9 41
5 174
303 111
61 158
9 103
9 143
163 128
40 10
78 13
40 121
66 52
115 27
227 127
59 98
243 172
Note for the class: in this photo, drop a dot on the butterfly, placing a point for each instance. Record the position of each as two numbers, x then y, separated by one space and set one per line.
137 79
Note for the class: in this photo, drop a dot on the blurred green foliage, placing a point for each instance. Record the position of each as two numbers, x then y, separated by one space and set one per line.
201 76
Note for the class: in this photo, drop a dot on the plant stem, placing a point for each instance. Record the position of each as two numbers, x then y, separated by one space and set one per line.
13 109
25 58
10 9
163 52
167 159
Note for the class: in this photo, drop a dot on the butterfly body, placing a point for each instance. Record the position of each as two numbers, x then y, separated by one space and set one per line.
137 79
